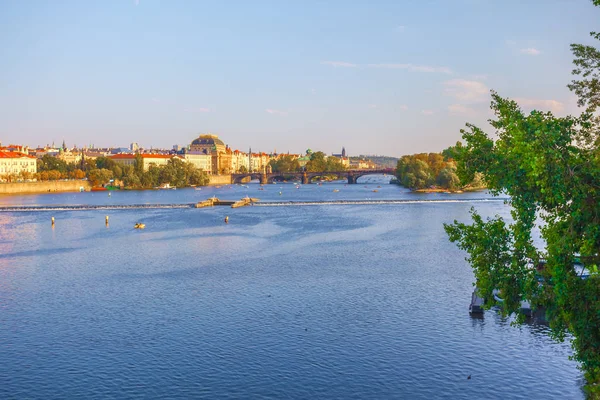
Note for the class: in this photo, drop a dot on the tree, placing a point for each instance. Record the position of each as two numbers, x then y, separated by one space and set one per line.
334 164
105 162
317 162
285 163
138 165
49 163
448 179
99 177
414 173
242 169
550 168
452 152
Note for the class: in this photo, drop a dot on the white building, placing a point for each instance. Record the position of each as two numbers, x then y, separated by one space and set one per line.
14 163
200 161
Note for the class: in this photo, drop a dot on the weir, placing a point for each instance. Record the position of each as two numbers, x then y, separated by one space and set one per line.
231 203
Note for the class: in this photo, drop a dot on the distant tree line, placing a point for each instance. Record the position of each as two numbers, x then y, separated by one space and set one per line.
102 170
318 162
432 170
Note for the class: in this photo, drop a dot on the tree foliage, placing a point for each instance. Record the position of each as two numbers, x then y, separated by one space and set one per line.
424 170
319 162
550 168
285 163
536 161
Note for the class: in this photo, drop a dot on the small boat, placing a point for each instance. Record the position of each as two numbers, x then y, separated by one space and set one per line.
166 186
139 225
376 190
98 189
336 190
525 305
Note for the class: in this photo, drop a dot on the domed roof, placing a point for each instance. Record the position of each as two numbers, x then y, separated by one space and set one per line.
207 140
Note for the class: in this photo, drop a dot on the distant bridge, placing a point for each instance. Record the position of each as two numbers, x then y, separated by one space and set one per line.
307 177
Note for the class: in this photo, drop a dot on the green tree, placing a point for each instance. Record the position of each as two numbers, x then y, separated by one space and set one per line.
550 168
285 163
452 152
414 173
99 177
334 164
448 179
105 162
49 163
317 162
138 165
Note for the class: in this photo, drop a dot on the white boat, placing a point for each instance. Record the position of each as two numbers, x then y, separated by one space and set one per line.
165 186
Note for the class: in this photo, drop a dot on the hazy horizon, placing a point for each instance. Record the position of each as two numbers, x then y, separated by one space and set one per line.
382 77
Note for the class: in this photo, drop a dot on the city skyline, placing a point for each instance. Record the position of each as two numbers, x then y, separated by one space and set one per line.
385 78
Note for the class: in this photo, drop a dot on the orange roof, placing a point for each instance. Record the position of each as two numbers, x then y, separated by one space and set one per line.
14 154
132 156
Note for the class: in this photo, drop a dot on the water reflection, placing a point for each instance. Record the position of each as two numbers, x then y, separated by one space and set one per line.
302 302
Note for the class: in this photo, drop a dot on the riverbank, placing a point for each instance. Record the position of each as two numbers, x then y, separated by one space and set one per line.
441 190
44 187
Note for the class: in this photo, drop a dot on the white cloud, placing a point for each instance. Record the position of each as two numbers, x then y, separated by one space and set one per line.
136 2
553 105
400 28
403 107
197 109
413 67
427 112
530 51
276 112
467 91
155 100
459 109
372 106
336 64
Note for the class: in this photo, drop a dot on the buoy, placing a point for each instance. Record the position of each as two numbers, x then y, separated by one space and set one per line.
108 194
106 220
226 219
52 220
280 193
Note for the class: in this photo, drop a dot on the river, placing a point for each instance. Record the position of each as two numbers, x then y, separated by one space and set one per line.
333 301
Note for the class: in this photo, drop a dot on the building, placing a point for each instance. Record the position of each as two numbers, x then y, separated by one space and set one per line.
134 147
362 164
207 144
148 159
258 162
200 161
14 164
69 156
240 162
221 154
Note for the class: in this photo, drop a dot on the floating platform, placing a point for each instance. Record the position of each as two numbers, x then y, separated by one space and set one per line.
213 201
476 306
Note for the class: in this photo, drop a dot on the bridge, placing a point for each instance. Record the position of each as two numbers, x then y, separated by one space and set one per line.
306 177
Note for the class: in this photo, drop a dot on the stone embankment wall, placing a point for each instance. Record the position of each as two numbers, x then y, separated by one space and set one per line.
220 180
43 187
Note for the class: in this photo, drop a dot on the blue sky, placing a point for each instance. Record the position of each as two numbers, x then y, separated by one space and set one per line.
378 77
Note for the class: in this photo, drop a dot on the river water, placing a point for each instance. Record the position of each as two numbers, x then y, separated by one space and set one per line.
334 300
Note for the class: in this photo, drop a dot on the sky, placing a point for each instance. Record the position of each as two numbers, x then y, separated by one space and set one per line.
378 77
